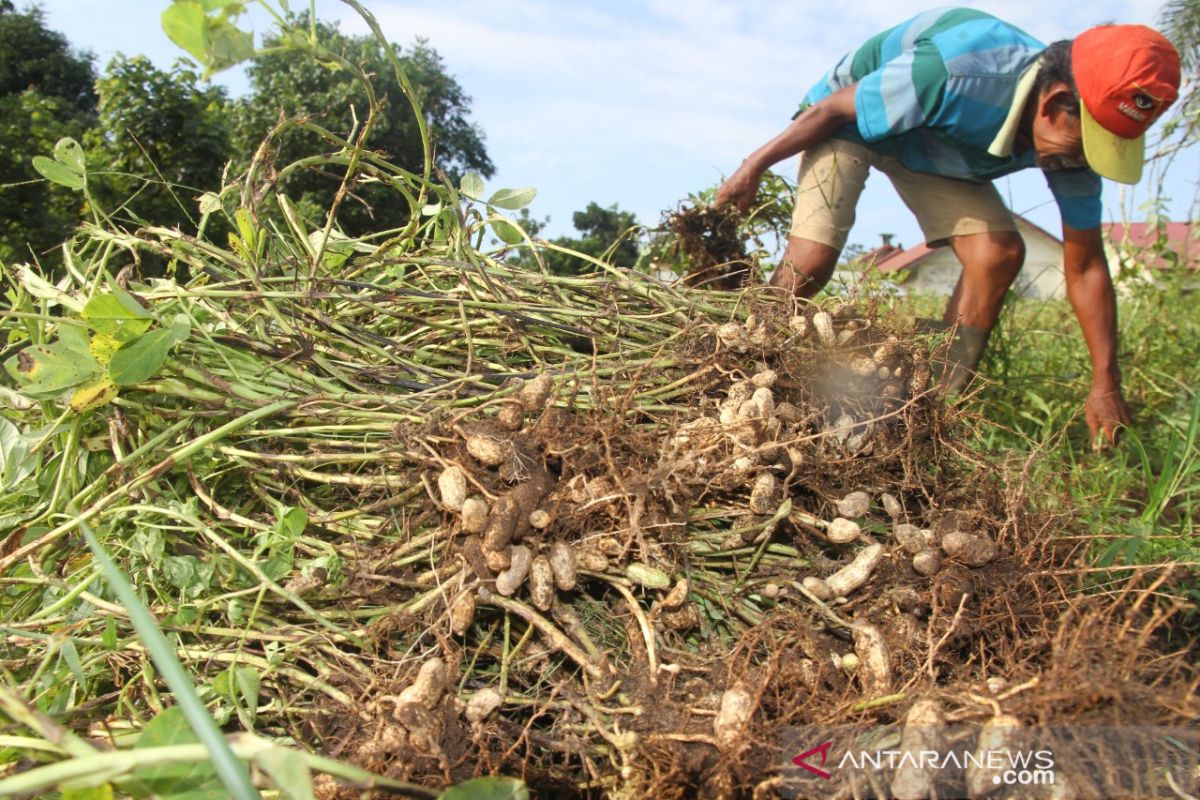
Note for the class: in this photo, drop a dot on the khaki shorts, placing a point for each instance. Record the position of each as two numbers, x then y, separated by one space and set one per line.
832 176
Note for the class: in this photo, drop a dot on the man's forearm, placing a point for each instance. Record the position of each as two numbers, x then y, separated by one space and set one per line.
1092 296
814 125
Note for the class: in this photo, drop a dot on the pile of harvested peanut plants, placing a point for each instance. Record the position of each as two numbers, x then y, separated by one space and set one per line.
402 503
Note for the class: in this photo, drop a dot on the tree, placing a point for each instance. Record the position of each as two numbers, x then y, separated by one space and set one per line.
603 230
45 94
1180 22
34 57
160 141
291 82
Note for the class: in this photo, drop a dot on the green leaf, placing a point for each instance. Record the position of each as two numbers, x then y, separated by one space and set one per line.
210 202
104 312
180 571
181 327
10 439
136 361
70 654
16 462
247 229
506 231
69 154
184 24
279 564
471 185
493 788
188 574
289 772
512 199
240 685
291 524
57 173
46 371
197 781
74 339
109 638
227 45
129 302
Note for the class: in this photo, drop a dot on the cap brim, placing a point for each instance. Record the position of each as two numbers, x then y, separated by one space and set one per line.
1112 156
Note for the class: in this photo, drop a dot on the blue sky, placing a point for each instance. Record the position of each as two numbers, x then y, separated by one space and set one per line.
640 103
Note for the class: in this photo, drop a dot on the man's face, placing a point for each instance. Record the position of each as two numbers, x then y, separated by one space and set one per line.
1057 135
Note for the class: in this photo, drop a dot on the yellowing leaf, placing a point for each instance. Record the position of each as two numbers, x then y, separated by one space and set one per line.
48 370
102 346
93 394
103 792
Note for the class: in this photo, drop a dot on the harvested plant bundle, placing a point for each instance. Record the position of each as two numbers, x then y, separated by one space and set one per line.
405 502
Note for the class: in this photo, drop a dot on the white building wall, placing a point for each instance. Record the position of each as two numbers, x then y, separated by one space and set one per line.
1040 279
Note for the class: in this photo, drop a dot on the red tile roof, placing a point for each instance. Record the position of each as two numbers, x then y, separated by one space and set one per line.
1181 238
903 259
914 255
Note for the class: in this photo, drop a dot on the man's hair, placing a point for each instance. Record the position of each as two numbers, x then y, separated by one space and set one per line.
1056 68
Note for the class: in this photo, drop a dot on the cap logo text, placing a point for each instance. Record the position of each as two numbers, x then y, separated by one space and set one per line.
1131 111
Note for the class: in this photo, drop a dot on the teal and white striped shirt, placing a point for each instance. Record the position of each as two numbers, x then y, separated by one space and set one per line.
935 93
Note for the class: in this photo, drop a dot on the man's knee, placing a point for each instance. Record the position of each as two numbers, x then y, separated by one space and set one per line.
997 255
806 266
1010 252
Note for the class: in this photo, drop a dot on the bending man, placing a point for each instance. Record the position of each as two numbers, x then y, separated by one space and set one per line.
944 104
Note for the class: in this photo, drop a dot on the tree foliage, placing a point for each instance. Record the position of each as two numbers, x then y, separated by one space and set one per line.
291 83
606 233
160 140
46 93
156 139
36 58
1180 21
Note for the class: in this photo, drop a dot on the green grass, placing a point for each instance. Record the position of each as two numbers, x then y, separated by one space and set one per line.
1140 499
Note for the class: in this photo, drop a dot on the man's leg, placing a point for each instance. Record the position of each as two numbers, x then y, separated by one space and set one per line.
832 176
973 220
806 267
990 262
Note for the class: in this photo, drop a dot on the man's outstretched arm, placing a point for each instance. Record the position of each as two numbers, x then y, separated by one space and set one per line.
1090 290
814 125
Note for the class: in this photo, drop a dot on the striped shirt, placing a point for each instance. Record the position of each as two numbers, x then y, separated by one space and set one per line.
935 93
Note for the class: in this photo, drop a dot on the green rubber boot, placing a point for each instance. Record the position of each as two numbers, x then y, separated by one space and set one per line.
955 368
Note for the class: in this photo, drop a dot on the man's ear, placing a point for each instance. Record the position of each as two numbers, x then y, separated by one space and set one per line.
1056 98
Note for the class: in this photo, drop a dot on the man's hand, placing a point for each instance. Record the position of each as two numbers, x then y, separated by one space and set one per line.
1106 414
741 188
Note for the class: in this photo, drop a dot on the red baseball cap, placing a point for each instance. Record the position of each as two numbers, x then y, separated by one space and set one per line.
1127 76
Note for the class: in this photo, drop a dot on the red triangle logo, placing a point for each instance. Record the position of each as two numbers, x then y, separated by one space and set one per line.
802 760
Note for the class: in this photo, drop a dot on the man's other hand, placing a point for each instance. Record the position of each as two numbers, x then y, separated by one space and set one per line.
1106 414
740 189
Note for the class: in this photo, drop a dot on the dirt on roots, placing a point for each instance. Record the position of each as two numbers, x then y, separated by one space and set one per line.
708 240
688 639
